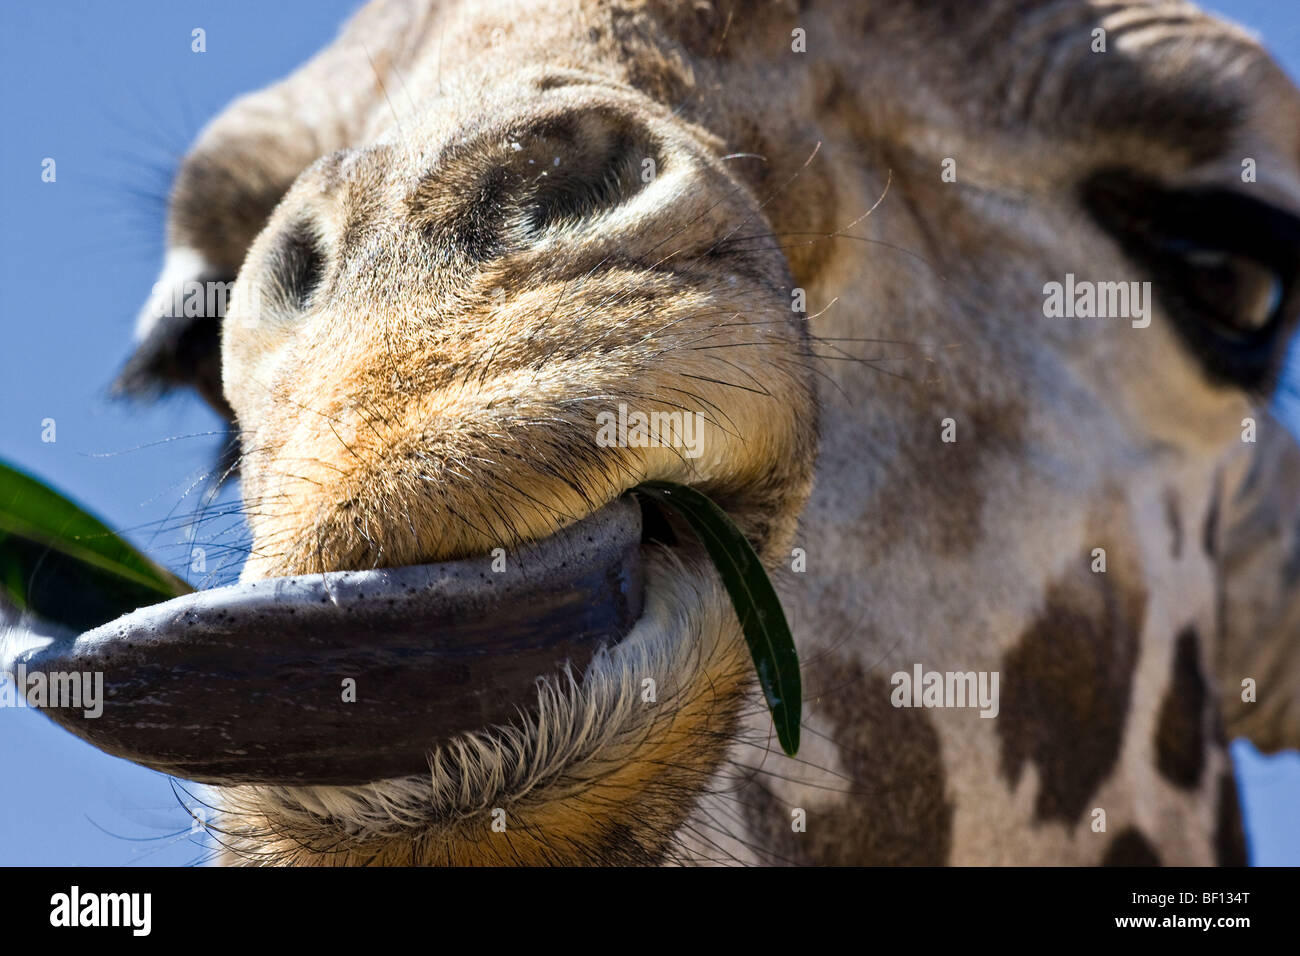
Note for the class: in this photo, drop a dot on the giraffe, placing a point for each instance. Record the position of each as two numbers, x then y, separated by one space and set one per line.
1089 511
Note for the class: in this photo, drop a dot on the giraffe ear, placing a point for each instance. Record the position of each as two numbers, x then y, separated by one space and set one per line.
228 185
178 334
1256 545
225 190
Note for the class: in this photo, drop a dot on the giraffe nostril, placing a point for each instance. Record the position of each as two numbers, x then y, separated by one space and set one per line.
508 186
297 267
585 167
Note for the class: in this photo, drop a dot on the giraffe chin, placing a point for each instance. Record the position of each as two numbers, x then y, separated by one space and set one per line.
594 771
345 677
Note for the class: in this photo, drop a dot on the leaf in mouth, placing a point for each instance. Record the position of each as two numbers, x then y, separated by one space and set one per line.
757 606
63 564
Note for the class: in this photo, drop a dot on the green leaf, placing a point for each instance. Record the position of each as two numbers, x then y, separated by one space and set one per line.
65 565
757 606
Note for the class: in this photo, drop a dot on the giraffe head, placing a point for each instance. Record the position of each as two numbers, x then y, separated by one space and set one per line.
997 282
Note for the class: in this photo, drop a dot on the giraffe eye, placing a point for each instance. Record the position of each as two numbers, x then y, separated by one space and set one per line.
1226 266
1240 297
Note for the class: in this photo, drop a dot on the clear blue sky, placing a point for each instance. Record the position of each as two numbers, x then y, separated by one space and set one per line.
113 93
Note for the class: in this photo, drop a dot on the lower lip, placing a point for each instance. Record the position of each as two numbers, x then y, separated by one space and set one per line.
353 676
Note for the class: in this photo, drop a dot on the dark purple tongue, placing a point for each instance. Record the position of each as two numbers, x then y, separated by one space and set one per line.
346 677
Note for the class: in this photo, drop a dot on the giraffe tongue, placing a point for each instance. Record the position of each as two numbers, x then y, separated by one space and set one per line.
345 677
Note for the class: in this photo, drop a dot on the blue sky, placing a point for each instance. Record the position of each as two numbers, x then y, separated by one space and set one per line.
114 94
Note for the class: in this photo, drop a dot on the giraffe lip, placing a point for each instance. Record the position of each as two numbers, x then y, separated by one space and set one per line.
351 676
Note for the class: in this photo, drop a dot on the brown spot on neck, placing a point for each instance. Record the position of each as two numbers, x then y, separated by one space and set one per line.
1180 730
1229 834
1174 519
933 492
896 811
1130 848
1067 682
1210 530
